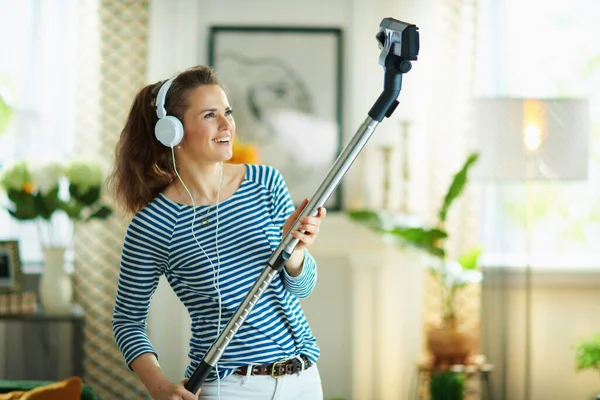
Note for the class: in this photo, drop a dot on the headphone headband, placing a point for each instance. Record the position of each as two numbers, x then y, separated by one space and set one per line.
168 129
161 97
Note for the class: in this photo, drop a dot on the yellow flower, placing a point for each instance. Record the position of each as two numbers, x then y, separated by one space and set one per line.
29 188
244 153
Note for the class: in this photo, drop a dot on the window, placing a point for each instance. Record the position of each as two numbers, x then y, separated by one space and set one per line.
38 71
536 48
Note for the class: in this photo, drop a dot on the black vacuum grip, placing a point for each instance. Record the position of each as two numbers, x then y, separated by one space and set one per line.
198 377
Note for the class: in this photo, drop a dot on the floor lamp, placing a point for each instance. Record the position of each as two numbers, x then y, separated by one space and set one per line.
528 140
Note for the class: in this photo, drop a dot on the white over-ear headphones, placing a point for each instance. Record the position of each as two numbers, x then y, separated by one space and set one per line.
168 129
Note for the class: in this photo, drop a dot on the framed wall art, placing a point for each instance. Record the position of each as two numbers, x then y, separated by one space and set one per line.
284 85
10 267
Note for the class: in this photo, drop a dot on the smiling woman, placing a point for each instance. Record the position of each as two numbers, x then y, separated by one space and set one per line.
170 168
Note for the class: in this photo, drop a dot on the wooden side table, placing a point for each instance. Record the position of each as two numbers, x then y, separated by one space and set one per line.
476 369
36 344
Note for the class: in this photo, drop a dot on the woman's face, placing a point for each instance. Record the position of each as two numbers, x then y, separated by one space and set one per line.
208 125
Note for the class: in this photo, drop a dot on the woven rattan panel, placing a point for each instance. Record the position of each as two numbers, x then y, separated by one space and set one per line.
112 65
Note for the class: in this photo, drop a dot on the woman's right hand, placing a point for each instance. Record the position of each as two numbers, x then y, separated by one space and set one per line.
176 391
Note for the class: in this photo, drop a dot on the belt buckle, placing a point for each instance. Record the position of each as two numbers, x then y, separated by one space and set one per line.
275 366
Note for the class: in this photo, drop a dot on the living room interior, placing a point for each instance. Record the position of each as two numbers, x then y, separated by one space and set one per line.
459 254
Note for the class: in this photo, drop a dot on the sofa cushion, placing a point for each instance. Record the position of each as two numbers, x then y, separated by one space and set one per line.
68 389
16 395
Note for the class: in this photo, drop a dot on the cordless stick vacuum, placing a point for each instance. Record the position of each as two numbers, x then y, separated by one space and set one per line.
399 44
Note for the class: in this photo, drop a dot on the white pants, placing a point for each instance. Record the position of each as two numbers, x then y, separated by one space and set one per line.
305 385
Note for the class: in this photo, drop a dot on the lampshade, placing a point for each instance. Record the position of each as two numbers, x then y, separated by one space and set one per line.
530 139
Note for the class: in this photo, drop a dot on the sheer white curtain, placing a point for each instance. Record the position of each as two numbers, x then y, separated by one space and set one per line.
38 71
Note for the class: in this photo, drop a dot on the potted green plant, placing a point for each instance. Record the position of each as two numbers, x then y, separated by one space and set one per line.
34 192
446 342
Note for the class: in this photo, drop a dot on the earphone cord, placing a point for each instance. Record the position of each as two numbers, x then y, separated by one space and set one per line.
216 282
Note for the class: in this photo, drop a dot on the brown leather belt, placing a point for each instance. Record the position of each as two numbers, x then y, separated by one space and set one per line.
277 369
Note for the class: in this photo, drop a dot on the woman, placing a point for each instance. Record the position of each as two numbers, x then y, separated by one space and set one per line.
209 227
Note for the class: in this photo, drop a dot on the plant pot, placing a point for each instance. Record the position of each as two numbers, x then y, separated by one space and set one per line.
56 288
450 345
447 385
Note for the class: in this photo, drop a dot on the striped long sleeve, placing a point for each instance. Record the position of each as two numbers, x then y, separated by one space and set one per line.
211 266
143 260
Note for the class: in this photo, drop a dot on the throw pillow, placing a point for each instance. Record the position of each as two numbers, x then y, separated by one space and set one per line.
68 389
16 395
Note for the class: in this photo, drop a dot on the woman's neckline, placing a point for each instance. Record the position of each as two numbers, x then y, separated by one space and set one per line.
221 202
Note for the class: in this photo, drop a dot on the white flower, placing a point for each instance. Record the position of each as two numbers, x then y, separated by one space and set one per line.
470 276
47 174
85 175
452 272
17 177
456 275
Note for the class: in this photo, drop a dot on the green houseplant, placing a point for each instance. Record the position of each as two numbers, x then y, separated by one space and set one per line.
587 354
451 274
447 385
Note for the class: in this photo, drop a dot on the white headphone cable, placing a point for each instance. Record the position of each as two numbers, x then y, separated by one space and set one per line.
216 283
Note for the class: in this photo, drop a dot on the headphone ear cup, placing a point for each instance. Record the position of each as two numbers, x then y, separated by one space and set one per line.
169 131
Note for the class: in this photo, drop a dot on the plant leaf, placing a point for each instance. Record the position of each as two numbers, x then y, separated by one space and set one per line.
102 213
19 197
87 198
23 214
24 205
469 259
73 209
46 204
587 354
422 238
367 217
457 186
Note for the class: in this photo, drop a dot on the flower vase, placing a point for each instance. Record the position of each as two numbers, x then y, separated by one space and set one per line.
56 288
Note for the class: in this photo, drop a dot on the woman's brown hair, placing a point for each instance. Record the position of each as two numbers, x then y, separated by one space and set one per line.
143 166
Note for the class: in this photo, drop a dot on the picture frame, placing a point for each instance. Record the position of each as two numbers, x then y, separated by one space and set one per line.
284 84
11 277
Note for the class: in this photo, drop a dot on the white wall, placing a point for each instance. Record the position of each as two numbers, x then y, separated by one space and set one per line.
178 39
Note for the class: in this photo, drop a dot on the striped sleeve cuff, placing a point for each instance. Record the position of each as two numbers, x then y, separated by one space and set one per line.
302 285
133 343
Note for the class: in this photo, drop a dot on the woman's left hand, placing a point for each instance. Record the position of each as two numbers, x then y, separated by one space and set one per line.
308 228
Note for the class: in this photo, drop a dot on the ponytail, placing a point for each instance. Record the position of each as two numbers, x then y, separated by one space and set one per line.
142 165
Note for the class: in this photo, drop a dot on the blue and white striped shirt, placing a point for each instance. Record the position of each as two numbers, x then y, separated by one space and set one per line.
159 241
